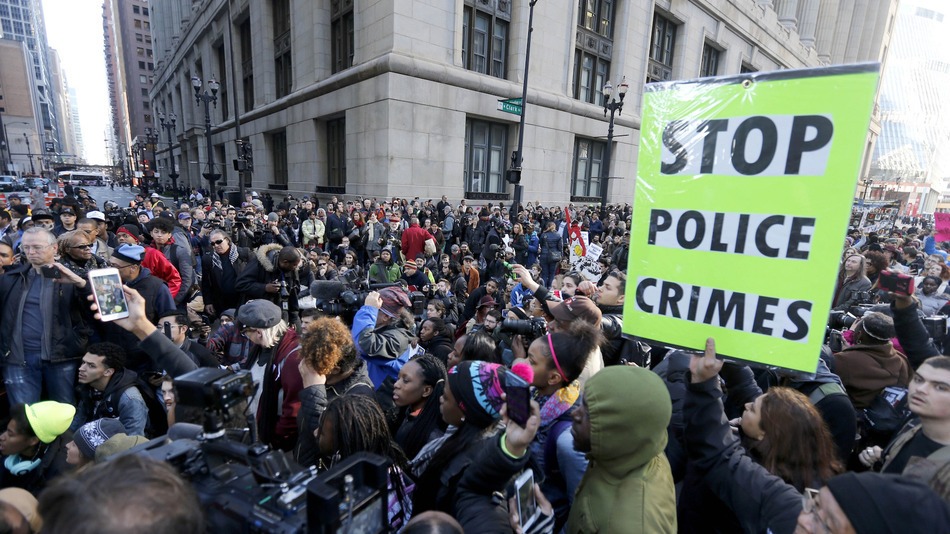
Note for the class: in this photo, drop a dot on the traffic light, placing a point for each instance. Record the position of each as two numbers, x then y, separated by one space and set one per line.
514 176
248 157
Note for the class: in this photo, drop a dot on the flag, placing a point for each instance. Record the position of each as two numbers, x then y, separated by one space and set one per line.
575 241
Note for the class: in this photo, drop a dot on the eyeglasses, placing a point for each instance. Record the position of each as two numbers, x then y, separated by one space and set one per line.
33 248
86 246
119 267
218 242
321 265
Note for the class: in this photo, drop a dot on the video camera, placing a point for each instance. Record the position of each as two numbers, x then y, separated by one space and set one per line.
344 295
528 329
252 489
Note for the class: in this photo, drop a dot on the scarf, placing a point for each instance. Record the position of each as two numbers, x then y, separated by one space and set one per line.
232 257
557 404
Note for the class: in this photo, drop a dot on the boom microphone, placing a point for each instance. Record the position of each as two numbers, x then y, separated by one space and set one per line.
326 289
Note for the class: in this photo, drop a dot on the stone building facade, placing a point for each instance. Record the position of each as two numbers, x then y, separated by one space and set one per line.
385 98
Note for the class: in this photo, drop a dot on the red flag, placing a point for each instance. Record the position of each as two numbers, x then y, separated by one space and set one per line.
574 238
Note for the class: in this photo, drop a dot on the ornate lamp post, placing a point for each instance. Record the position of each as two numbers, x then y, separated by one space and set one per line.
208 98
169 126
613 105
151 140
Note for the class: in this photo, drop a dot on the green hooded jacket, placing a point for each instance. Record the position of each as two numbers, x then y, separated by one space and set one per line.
628 486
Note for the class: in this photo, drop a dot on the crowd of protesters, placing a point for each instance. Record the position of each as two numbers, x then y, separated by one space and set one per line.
392 326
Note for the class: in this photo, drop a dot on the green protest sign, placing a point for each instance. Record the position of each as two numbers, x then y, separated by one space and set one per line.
743 195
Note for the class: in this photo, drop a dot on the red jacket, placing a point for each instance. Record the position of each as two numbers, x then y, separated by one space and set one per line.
163 269
414 241
279 428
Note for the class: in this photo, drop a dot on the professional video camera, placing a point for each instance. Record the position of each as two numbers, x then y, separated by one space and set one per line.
252 489
344 295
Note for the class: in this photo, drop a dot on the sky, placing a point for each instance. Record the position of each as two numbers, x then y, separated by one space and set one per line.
74 29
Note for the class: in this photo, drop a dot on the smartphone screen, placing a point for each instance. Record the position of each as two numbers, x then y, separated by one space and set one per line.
107 289
519 398
527 505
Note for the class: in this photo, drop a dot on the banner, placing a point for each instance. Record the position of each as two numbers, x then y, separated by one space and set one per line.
743 197
942 224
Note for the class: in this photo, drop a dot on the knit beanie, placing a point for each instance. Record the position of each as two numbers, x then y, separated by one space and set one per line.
93 434
118 443
130 230
49 419
877 503
477 387
394 299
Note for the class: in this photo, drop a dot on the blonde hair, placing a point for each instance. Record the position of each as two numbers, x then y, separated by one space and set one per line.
271 336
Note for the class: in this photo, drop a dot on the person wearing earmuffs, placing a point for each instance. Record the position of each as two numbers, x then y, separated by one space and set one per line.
33 445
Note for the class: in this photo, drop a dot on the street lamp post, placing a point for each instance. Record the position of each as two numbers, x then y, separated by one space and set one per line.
613 105
137 148
514 173
29 153
212 98
867 184
151 139
169 127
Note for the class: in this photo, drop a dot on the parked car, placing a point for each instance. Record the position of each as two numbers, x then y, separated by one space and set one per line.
10 184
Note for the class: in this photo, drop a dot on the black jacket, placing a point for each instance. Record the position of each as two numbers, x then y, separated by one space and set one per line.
760 501
52 464
490 472
314 400
213 291
440 346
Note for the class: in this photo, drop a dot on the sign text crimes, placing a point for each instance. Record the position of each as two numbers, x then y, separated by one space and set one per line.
781 145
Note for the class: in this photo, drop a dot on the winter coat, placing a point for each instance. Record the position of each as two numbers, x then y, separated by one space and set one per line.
52 465
520 244
440 346
383 349
214 293
488 472
414 241
66 317
280 395
534 249
263 269
760 501
314 400
865 370
158 300
382 273
180 257
130 409
551 243
844 299
628 486
161 268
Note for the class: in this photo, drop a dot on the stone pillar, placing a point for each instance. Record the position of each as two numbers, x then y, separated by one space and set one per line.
858 27
842 28
827 17
787 13
764 3
807 21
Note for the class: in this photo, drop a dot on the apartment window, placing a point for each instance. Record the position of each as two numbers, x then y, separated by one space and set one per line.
485 36
588 162
137 23
140 51
144 92
486 147
342 35
278 143
151 66
141 65
146 25
247 65
745 67
135 9
143 78
594 48
710 63
336 153
148 52
145 11
596 16
661 49
223 71
283 68
139 38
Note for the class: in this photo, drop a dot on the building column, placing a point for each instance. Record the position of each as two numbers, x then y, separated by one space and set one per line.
807 21
787 13
878 15
842 29
764 3
827 17
858 27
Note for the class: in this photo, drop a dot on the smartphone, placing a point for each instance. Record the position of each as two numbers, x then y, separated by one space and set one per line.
50 271
897 283
519 398
107 290
528 511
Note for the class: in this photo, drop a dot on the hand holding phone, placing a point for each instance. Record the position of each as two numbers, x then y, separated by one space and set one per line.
518 394
107 290
50 271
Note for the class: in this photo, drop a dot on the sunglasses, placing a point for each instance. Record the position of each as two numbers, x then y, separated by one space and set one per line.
87 246
321 265
218 241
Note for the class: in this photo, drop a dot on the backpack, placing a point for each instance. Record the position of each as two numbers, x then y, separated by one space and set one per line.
157 424
887 413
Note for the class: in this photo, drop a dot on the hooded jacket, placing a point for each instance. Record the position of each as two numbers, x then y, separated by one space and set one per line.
262 269
628 486
865 370
130 409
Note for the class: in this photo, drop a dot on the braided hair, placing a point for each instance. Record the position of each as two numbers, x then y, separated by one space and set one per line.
430 418
359 426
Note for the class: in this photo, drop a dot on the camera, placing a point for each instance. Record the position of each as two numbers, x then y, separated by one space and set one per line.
343 296
249 488
529 329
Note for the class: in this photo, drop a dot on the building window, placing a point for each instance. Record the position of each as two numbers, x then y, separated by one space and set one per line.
596 16
342 35
247 65
141 65
485 36
139 38
745 67
140 51
336 153
278 144
223 70
135 9
588 161
137 23
145 11
144 91
143 78
594 49
710 64
486 145
661 49
283 68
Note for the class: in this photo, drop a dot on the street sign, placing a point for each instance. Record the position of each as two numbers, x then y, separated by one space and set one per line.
510 105
50 146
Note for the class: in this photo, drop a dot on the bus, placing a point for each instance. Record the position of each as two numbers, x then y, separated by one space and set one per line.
85 178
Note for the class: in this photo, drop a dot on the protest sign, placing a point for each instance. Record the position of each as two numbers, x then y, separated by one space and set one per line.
743 197
942 224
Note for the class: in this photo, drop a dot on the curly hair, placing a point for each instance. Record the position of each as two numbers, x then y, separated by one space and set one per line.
324 344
